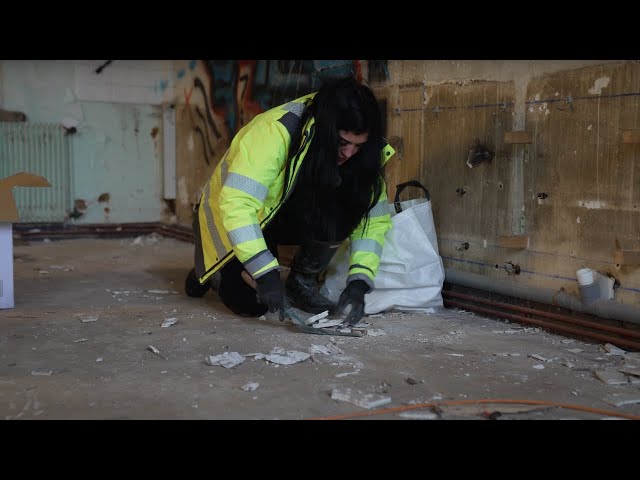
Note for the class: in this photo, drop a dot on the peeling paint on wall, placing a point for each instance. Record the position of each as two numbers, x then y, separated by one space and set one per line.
592 204
601 83
183 191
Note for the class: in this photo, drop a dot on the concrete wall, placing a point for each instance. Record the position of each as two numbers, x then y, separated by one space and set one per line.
574 191
117 147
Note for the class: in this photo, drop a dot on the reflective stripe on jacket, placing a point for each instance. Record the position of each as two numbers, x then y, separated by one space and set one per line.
245 192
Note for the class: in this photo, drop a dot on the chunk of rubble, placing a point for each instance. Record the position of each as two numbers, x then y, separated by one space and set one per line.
613 350
87 318
167 322
359 398
226 359
319 349
376 333
611 377
287 358
250 387
328 323
418 415
38 372
317 317
620 400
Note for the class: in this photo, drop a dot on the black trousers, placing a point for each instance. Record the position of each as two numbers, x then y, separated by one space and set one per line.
285 229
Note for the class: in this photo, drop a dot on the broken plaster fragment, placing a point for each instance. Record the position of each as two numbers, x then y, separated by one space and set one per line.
360 399
317 317
226 359
288 358
250 387
167 322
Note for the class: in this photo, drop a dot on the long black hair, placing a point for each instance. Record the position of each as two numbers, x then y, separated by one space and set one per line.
339 197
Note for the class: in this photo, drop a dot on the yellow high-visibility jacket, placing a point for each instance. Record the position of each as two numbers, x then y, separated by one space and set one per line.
245 192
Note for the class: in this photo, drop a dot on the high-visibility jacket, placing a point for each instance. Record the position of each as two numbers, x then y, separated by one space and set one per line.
245 192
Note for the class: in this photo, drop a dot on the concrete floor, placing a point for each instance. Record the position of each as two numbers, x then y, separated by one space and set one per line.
54 365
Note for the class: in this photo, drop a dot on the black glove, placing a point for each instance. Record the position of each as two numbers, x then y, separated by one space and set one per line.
352 295
270 292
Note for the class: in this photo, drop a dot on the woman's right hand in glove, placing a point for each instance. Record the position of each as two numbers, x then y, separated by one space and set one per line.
270 292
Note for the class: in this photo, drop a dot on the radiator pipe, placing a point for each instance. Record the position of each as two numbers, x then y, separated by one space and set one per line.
602 308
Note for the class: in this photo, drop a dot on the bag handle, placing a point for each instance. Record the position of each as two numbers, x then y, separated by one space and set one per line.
401 186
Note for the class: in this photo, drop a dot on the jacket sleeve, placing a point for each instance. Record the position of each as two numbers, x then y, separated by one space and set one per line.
255 160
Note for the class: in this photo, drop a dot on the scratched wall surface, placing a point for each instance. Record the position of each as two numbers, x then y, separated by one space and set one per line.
574 191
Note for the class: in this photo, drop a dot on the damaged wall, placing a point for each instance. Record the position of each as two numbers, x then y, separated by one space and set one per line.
112 117
561 191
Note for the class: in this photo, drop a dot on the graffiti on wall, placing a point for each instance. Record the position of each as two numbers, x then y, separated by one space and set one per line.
235 91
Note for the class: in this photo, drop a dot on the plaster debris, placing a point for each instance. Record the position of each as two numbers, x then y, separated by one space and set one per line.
319 349
250 387
226 359
289 357
539 367
630 370
317 317
38 372
611 377
619 400
613 350
375 333
88 318
167 322
455 354
262 318
328 323
165 292
344 374
418 415
539 357
155 351
80 340
359 398
99 359
575 350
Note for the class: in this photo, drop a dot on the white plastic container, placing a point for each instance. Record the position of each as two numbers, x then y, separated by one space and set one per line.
585 276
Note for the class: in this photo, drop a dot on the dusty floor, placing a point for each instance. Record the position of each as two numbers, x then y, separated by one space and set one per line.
76 347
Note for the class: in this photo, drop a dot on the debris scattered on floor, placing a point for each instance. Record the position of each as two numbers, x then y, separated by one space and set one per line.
250 387
80 340
317 317
87 318
226 359
167 322
539 367
163 292
419 415
359 398
375 333
99 359
327 323
613 350
455 354
155 351
621 399
611 377
289 357
344 374
41 372
575 350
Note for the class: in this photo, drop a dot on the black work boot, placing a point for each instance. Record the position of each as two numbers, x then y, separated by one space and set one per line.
193 288
302 286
